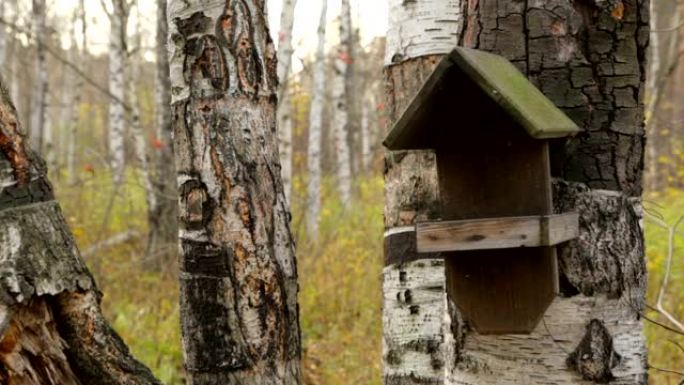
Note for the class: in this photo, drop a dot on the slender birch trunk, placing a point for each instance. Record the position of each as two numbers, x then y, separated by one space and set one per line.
39 125
341 89
118 21
313 202
76 55
284 116
51 326
139 139
239 312
162 217
367 134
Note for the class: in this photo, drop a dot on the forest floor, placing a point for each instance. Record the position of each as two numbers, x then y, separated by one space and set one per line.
340 277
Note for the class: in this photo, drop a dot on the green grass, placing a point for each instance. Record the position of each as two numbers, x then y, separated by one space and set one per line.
340 278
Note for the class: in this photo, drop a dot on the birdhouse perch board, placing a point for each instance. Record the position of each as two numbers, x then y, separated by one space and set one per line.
489 127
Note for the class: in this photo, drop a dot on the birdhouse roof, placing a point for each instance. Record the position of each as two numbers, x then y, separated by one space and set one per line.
443 99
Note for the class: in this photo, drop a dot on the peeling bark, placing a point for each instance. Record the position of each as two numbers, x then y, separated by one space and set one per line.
51 327
587 57
313 202
238 275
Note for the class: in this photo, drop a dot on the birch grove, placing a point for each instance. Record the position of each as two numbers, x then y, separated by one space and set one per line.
77 53
313 201
341 88
284 117
239 312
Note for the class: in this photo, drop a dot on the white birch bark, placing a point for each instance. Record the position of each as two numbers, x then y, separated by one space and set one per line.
366 133
417 334
39 127
284 117
420 28
139 139
118 20
340 92
76 54
313 207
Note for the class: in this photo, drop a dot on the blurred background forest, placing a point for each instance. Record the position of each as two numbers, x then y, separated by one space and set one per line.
84 77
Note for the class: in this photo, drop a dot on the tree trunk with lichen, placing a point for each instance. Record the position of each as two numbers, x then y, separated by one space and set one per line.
238 275
52 331
588 58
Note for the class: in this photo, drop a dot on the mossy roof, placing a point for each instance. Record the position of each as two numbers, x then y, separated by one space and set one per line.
496 77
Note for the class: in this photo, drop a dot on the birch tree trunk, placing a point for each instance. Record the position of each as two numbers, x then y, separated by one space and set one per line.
75 83
367 134
341 89
313 202
239 312
416 337
118 21
284 116
589 59
52 331
162 217
139 139
42 138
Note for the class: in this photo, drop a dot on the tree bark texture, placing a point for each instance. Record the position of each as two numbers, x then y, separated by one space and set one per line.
239 310
587 57
118 21
163 216
313 201
341 88
42 139
285 119
51 327
416 338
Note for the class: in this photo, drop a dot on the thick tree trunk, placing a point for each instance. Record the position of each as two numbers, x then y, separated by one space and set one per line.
341 89
238 276
118 20
39 125
313 201
51 328
588 57
416 336
285 120
163 217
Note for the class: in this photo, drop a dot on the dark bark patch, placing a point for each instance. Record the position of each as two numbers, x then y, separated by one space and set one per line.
595 356
197 23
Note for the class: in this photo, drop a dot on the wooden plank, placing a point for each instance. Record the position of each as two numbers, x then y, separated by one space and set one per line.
496 233
496 170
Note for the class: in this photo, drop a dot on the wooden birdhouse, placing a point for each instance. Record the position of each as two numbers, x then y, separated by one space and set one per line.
490 128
